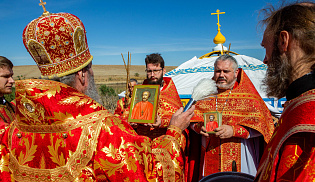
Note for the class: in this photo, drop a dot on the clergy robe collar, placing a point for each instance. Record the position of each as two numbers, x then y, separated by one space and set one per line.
301 85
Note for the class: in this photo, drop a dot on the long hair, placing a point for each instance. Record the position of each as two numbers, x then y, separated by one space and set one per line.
298 20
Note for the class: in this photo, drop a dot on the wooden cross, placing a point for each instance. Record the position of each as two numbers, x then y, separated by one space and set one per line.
43 5
218 13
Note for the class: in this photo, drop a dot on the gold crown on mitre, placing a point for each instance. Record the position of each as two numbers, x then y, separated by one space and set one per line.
57 42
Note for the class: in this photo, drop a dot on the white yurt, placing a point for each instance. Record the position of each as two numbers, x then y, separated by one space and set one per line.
187 75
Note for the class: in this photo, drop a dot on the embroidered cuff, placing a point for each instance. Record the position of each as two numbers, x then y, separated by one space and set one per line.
175 132
165 122
240 132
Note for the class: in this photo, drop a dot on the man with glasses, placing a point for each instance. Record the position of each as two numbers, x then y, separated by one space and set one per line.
63 133
169 100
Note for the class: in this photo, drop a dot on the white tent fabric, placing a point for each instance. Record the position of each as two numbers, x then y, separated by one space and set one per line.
188 74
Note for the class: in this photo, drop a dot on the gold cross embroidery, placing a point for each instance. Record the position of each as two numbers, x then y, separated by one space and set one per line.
241 131
212 149
231 152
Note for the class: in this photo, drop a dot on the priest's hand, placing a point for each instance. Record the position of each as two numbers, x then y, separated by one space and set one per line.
157 123
203 132
224 131
181 119
134 125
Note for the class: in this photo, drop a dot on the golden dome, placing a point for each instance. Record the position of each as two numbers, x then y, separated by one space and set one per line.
219 38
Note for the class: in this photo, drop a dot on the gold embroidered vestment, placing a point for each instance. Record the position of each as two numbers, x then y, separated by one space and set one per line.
241 108
61 134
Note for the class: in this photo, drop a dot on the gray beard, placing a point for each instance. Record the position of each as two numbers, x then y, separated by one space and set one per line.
226 86
91 91
278 75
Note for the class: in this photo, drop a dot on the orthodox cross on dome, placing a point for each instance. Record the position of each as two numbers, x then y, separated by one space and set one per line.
218 14
219 38
44 8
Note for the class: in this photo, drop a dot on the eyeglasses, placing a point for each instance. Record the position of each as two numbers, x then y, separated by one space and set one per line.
154 71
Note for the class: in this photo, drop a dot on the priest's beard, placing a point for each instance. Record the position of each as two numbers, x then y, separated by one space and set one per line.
157 82
278 74
229 85
91 91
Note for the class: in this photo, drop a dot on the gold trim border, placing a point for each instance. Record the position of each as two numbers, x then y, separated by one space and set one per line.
65 127
163 157
74 165
297 129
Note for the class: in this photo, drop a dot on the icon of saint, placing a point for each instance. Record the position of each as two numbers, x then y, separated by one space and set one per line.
143 110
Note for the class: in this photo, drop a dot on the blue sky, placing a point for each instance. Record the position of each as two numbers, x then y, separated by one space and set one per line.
179 30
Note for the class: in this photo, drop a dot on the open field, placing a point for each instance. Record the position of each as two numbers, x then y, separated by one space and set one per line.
103 74
113 76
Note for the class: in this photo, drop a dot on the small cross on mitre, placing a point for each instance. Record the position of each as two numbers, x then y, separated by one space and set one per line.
44 8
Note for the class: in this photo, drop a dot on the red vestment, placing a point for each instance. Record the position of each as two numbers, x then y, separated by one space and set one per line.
290 154
142 110
243 107
121 110
61 134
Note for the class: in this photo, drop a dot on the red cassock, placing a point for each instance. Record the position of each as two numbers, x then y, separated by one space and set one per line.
210 126
290 154
142 110
242 108
61 134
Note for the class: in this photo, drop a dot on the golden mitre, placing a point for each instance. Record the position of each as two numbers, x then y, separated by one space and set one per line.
57 42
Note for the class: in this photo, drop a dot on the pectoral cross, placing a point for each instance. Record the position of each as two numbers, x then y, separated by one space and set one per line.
142 113
43 5
218 14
